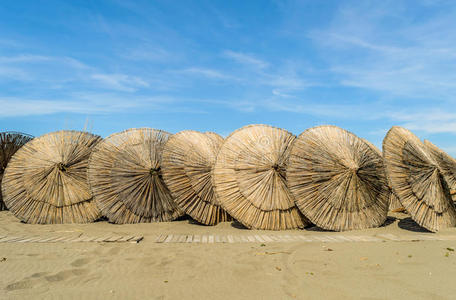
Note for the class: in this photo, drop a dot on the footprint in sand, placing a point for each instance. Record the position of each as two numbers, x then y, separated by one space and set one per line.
38 275
27 283
19 285
80 262
65 275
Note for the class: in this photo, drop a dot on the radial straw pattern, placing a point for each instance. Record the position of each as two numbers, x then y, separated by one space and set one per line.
447 166
250 178
417 180
338 180
46 180
126 178
188 160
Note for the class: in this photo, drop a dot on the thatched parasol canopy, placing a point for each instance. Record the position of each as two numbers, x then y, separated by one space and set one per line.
126 178
215 136
447 166
250 178
188 159
394 203
46 180
417 180
10 142
338 180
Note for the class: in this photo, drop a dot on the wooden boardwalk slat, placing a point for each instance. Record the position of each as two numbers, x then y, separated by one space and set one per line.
231 239
160 238
136 239
389 236
68 239
259 238
266 238
125 238
244 239
332 239
211 239
168 238
305 238
251 238
237 238
275 238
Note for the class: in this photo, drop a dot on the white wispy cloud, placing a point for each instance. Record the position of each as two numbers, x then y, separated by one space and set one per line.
209 73
120 82
23 58
37 68
246 59
411 59
82 103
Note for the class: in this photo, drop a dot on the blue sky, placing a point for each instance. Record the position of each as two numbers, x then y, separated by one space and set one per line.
220 65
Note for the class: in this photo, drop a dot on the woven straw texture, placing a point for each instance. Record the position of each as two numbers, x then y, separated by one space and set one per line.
126 179
447 166
338 180
10 142
250 178
188 160
394 203
417 180
46 180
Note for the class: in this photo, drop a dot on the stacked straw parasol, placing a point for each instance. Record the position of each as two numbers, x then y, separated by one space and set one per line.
188 160
263 176
126 178
46 180
10 142
416 178
250 178
338 179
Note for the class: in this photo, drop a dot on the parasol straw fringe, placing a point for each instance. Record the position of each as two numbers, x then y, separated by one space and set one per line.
416 178
46 180
338 180
188 160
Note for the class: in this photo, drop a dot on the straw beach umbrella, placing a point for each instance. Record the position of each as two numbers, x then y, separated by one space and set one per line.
10 142
126 179
188 159
417 180
338 180
394 203
447 165
46 180
250 178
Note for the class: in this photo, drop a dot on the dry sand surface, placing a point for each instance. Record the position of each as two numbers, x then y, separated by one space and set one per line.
280 270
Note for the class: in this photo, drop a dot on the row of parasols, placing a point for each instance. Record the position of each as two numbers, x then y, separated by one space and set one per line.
262 176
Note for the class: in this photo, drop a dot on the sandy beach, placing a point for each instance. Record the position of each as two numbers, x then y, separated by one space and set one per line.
413 269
